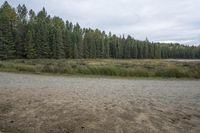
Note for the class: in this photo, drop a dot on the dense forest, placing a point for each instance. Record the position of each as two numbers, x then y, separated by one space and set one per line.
27 35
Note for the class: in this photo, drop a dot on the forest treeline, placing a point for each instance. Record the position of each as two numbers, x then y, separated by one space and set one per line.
25 34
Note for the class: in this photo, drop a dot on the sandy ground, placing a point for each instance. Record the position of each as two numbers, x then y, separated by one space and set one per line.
48 104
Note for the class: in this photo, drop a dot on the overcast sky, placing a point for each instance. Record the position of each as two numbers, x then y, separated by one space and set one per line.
159 20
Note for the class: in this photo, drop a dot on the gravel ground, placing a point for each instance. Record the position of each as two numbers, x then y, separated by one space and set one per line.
48 104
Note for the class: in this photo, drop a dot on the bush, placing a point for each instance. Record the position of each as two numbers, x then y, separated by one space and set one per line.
129 68
170 72
25 68
139 73
58 68
1 65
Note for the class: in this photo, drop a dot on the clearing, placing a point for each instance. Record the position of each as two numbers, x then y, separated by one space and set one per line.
42 104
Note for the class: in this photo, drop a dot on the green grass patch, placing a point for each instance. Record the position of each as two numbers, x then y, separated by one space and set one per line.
108 67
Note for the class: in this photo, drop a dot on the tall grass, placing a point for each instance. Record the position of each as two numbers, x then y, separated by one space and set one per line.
125 68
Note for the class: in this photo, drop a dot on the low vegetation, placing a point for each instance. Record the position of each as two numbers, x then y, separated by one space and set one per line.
109 67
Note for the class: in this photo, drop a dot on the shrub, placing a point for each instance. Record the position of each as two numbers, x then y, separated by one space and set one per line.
139 73
170 72
25 68
131 68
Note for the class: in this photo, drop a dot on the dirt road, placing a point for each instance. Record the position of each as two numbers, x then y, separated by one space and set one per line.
42 104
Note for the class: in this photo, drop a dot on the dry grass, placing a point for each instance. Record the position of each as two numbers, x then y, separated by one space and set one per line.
110 67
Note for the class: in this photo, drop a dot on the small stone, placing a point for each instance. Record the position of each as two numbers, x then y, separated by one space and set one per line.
11 121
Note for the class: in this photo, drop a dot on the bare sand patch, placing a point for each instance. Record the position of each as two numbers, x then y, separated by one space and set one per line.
33 103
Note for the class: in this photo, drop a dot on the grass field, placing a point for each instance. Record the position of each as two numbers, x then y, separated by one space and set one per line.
108 67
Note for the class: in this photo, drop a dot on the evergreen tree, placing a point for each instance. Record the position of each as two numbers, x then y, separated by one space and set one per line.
41 35
78 42
21 31
8 18
29 50
24 34
57 43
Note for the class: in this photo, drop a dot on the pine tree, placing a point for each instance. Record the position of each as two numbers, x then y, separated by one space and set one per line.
107 47
8 19
135 50
41 35
56 38
29 50
78 41
21 31
27 35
